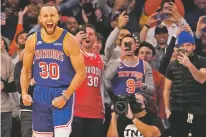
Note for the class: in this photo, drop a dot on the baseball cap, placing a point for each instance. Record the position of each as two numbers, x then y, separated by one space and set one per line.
161 29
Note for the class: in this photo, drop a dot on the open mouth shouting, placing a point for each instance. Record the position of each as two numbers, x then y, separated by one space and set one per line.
87 41
49 25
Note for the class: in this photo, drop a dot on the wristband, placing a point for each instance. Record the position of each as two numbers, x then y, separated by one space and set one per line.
64 97
146 25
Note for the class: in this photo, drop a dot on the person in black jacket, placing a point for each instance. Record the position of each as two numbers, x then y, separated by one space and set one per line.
184 90
26 111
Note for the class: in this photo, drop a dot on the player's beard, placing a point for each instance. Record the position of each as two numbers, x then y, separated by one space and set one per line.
53 29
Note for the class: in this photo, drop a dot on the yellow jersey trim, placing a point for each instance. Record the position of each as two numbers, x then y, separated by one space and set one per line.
49 42
65 43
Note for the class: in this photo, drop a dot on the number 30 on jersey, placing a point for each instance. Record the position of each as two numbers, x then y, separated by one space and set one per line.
93 81
49 70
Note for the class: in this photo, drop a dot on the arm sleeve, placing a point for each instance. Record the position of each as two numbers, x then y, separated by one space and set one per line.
168 55
149 79
109 47
198 44
161 105
110 71
17 73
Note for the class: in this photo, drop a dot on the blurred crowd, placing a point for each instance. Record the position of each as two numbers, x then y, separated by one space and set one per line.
159 28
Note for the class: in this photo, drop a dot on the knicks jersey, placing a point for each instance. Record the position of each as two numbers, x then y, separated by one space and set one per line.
88 102
125 78
52 67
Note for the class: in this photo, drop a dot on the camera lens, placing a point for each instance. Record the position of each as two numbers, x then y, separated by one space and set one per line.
121 107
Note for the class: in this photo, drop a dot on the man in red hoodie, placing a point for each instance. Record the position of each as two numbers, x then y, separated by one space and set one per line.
89 109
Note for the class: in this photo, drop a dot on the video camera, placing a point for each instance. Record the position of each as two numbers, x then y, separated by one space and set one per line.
122 101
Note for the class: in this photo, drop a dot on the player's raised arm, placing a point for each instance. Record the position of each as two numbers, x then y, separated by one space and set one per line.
77 61
27 69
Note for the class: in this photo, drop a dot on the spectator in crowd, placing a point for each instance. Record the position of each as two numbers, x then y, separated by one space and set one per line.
99 45
13 48
140 123
147 53
112 47
131 12
71 25
129 74
26 111
184 89
20 43
172 21
201 36
89 105
10 9
170 54
193 16
161 36
4 47
31 17
7 86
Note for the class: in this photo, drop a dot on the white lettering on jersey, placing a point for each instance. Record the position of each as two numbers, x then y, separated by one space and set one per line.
131 131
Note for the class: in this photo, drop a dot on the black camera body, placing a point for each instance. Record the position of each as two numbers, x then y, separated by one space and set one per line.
122 101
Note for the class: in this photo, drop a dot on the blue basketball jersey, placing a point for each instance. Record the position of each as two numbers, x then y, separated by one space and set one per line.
52 67
125 78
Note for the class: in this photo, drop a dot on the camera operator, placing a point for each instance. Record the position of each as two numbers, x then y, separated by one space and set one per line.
138 121
129 74
184 89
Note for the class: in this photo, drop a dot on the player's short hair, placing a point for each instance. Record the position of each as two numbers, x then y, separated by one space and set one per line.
90 26
148 45
49 5
127 36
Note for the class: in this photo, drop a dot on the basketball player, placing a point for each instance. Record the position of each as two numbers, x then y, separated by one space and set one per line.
89 114
58 71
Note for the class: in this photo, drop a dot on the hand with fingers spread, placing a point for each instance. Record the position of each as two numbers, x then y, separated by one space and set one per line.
152 20
183 59
122 20
81 36
27 99
22 13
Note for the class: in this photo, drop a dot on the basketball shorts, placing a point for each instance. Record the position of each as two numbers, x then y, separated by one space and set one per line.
45 117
